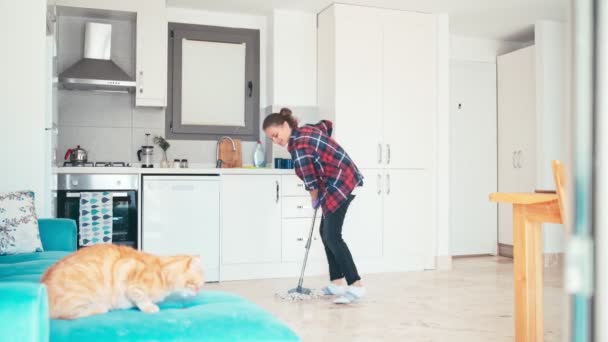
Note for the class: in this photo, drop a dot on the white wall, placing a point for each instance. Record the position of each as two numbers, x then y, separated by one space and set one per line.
550 42
23 96
294 58
478 49
443 136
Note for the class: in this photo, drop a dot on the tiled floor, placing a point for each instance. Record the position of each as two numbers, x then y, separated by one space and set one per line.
472 302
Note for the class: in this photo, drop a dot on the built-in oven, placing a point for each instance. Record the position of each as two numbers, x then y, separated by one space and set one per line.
122 189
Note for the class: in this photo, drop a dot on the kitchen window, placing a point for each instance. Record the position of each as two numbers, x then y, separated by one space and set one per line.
213 82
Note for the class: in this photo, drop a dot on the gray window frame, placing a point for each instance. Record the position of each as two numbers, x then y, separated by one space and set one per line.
173 126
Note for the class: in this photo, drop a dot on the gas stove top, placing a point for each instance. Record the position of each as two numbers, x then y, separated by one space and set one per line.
95 164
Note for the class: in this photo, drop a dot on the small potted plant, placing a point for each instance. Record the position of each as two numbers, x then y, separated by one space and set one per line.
164 145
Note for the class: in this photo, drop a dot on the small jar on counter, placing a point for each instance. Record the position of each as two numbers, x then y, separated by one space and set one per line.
184 164
176 164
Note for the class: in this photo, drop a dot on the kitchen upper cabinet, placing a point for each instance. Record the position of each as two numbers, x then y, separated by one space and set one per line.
152 38
151 44
251 219
378 78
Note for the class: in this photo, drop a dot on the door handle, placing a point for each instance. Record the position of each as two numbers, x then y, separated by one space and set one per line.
388 184
379 184
388 154
379 153
277 189
519 154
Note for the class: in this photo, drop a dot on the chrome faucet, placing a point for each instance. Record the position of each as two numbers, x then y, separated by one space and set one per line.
218 161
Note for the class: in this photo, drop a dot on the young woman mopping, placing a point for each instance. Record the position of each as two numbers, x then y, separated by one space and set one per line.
331 177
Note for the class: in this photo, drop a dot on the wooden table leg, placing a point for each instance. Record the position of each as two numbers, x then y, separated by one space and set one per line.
527 277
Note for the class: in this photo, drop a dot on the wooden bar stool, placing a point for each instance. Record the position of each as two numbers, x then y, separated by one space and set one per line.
530 211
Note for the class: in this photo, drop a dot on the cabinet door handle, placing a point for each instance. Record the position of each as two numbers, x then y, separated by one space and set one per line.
513 159
277 184
250 87
388 154
379 184
379 153
388 184
141 82
519 159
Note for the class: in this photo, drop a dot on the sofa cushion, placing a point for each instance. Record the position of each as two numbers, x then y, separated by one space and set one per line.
18 223
28 266
211 316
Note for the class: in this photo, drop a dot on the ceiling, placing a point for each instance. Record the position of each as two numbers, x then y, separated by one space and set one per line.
492 19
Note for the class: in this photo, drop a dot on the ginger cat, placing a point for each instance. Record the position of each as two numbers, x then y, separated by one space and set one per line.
103 277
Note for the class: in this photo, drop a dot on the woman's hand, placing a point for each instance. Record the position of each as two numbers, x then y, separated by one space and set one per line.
314 198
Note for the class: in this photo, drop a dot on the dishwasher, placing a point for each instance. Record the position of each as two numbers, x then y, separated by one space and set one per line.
181 215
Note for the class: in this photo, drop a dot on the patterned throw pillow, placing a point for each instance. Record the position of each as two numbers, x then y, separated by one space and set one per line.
18 223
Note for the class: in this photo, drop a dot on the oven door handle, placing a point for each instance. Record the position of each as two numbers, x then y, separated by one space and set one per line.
114 194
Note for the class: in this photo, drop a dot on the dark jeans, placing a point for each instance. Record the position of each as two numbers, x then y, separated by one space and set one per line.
341 264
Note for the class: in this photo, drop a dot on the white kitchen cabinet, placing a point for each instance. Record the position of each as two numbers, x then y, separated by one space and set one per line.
295 235
151 60
391 219
151 44
378 81
181 215
363 224
409 88
517 137
251 219
408 219
297 213
378 78
350 48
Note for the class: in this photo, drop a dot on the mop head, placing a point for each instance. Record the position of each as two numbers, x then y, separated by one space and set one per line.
293 295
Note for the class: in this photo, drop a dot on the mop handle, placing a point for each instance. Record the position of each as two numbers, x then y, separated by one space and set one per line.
308 243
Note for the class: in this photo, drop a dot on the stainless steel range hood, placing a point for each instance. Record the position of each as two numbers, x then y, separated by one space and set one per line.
96 71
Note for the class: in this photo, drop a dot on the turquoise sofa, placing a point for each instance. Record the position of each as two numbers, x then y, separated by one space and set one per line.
211 316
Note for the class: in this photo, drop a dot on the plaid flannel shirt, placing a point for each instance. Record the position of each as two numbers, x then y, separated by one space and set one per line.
323 165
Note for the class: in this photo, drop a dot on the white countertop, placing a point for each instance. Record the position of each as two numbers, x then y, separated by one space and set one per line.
194 170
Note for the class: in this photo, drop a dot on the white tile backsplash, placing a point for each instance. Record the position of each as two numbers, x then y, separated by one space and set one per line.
149 117
94 109
110 127
101 143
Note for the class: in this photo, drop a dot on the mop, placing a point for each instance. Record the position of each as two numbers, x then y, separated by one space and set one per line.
299 292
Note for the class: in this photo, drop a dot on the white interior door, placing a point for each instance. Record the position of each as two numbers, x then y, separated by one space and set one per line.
358 83
181 215
473 158
516 83
409 88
